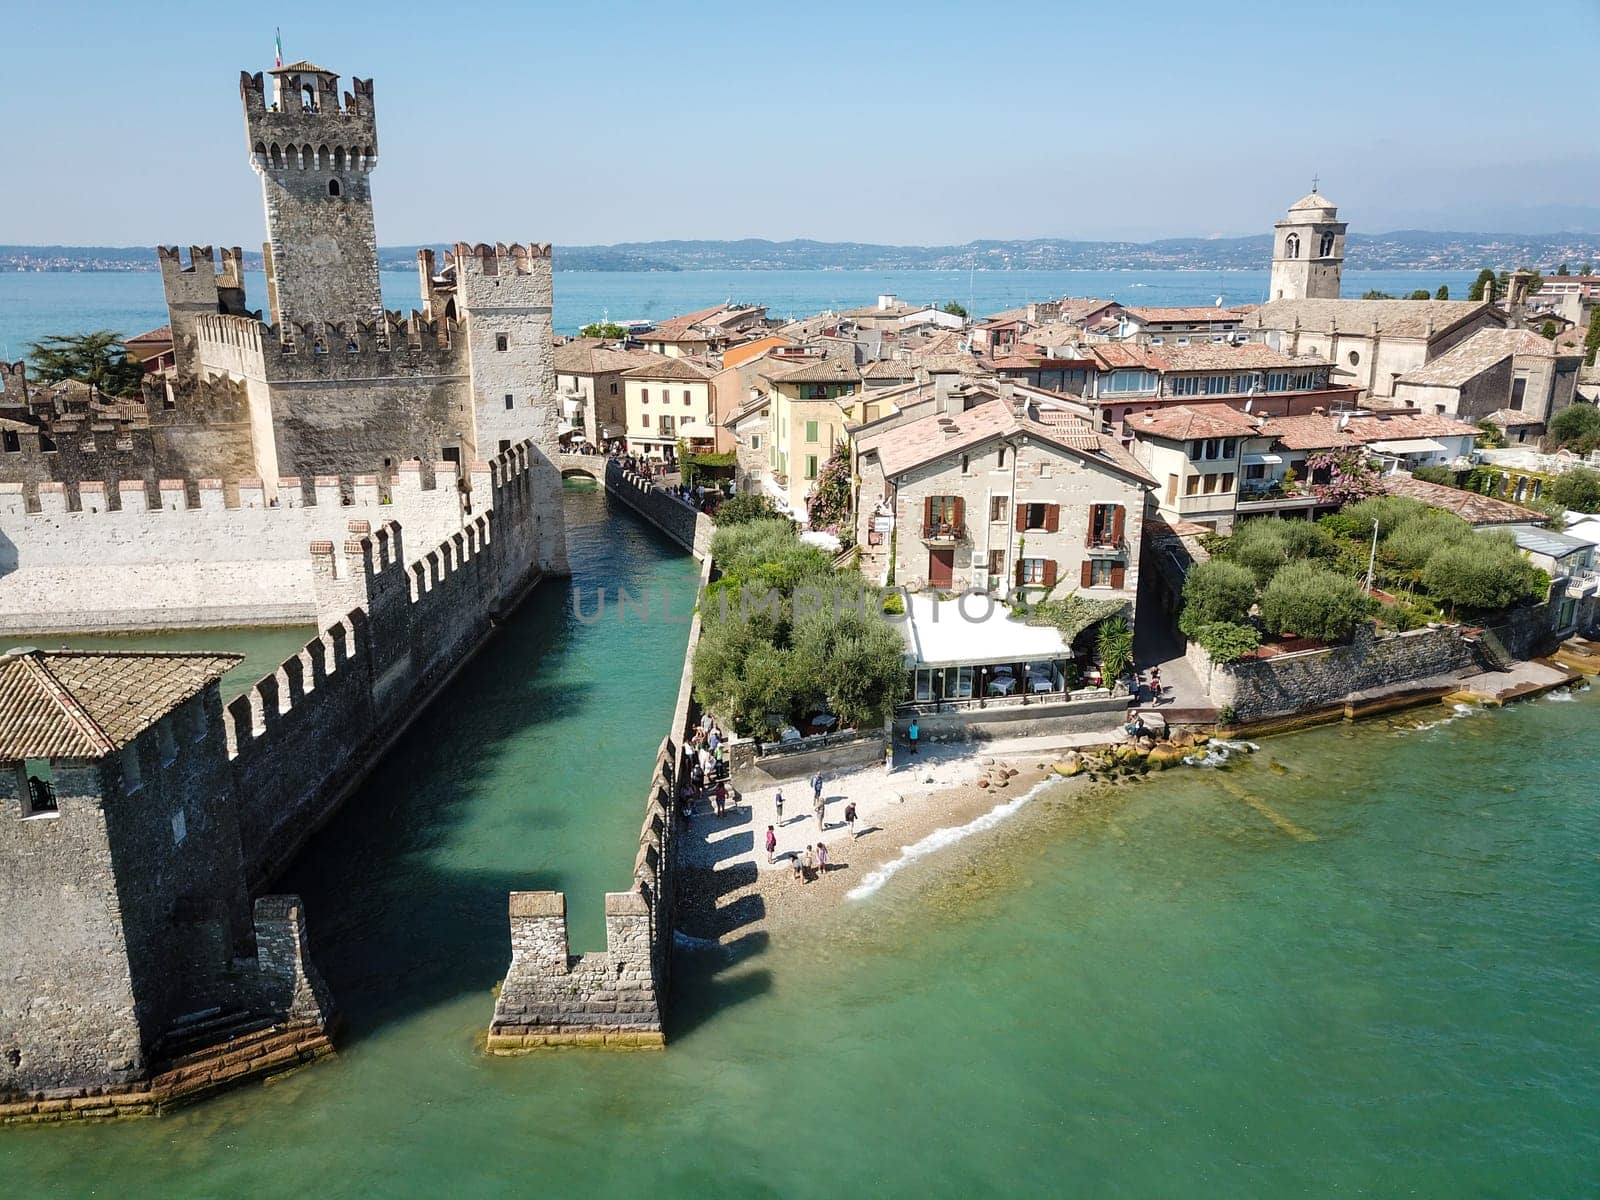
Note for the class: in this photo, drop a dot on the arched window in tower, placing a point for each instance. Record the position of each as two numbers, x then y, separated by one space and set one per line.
1327 246
338 158
308 97
277 155
1291 246
333 187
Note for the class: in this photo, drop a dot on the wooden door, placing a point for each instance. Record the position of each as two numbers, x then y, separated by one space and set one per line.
941 566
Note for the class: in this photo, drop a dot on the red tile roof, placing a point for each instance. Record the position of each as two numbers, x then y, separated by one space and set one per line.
1184 421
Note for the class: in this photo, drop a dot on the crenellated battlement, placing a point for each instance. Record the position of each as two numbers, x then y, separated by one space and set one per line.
397 488
397 344
498 259
394 630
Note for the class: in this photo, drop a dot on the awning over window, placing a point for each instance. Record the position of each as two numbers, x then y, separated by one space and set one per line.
1256 460
1409 446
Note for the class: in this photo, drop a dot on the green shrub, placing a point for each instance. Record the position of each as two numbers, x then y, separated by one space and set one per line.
1387 511
894 604
746 507
1115 644
1226 641
1216 591
1414 540
1267 543
1314 602
1483 572
1577 426
1577 489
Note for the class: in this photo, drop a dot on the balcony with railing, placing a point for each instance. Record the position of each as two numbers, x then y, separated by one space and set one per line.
944 533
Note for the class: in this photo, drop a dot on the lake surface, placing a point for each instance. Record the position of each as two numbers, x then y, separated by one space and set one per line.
1153 991
33 305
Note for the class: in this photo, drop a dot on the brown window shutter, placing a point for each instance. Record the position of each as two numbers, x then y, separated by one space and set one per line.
1118 574
1022 517
1019 572
1049 572
927 514
1117 513
1087 575
960 518
1052 518
1094 521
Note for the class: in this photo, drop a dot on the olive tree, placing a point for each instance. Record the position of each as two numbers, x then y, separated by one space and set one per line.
1314 602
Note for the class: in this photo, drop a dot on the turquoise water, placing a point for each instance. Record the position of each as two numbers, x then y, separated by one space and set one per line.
33 305
1144 991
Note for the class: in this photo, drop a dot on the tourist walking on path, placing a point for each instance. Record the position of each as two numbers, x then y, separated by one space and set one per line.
772 843
822 858
777 802
820 809
810 862
850 818
816 788
911 735
722 798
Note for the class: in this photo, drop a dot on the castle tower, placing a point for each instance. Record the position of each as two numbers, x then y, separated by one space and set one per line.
1308 251
504 296
315 159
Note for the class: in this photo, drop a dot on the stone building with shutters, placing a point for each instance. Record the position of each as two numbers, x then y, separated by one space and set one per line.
994 499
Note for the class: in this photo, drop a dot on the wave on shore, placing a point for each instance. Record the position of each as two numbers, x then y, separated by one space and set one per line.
939 839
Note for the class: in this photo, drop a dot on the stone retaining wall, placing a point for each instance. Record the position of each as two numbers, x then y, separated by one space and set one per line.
690 529
1018 720
1259 689
797 760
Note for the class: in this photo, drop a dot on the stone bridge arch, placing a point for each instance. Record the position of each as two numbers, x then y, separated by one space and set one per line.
588 466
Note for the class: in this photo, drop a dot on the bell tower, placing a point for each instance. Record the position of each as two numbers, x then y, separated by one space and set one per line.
1308 251
315 158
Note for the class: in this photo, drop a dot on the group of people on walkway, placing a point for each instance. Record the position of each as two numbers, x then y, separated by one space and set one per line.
704 768
814 860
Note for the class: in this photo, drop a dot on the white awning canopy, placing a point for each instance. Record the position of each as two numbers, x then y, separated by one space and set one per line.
975 630
1409 446
1255 460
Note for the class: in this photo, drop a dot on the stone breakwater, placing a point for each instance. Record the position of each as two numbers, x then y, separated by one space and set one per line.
616 996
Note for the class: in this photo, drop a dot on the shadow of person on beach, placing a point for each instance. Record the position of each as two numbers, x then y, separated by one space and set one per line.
866 829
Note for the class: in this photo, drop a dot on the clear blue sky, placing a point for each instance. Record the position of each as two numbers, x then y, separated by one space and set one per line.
915 122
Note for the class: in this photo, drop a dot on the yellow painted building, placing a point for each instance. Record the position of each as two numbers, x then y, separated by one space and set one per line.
810 406
666 401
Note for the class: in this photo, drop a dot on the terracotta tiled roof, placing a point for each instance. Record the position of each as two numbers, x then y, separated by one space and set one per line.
87 704
1309 432
669 368
1184 421
591 356
902 447
1196 315
164 334
1311 202
1216 356
1406 425
888 368
1111 355
1470 506
1394 318
1511 417
1477 354
821 370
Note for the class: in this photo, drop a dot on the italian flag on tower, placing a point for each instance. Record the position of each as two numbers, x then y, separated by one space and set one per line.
277 47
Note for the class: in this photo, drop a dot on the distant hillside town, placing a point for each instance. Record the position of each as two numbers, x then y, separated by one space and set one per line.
1402 250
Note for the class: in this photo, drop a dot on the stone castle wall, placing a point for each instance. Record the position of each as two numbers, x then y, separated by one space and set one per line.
194 554
690 529
394 632
616 996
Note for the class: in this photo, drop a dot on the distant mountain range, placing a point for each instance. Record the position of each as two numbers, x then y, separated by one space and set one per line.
1406 249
